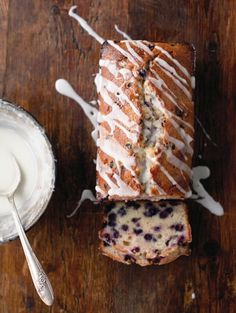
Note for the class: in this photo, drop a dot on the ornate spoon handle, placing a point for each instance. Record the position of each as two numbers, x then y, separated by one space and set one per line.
40 279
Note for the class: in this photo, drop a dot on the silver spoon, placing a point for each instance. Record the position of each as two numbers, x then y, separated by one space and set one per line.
40 279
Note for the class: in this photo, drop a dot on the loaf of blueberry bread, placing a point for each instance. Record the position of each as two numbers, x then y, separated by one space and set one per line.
146 117
145 232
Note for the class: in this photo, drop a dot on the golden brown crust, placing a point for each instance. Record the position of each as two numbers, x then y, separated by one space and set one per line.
162 76
118 256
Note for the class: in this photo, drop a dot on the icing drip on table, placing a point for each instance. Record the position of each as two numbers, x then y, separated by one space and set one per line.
117 118
64 88
202 196
85 25
126 36
205 132
86 195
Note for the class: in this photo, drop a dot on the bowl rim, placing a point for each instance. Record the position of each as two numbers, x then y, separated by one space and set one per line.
5 104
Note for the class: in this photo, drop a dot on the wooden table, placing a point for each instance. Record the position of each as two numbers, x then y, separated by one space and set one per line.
39 43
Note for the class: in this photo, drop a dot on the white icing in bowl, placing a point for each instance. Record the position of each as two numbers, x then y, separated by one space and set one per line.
18 123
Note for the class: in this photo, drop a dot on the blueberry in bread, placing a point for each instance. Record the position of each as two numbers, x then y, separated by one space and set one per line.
145 232
146 118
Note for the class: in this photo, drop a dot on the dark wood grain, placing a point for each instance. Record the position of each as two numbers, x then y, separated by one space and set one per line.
39 43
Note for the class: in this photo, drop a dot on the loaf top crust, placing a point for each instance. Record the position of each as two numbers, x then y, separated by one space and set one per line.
145 232
146 118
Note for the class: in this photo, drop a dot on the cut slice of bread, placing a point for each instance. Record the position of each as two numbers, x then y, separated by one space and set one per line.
145 232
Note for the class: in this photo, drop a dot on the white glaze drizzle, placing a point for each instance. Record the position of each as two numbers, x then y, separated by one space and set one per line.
117 123
98 189
176 62
179 145
120 188
115 114
112 148
172 74
93 103
162 63
205 132
143 47
107 142
112 68
113 122
123 187
203 197
148 178
94 135
110 65
63 87
114 89
115 118
186 137
133 53
111 87
171 178
180 66
193 82
178 163
129 134
85 25
122 33
127 74
158 103
86 195
182 121
123 52
137 43
158 82
206 200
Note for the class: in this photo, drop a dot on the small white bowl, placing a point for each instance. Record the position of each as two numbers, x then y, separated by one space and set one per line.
14 117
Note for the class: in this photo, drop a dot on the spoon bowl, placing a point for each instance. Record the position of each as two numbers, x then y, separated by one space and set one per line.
8 164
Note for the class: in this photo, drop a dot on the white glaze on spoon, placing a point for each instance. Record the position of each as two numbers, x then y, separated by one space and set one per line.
13 141
7 172
86 195
9 184
203 197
